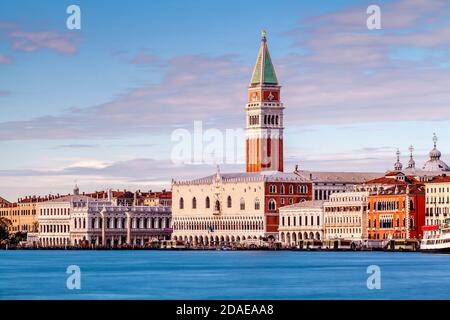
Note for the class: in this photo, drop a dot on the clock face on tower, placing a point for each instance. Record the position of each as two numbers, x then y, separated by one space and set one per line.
271 95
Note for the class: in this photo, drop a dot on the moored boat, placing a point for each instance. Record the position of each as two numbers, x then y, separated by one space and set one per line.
436 238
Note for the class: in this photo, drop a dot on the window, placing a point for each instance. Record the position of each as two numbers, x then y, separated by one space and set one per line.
242 204
257 204
207 203
282 191
194 203
181 203
229 203
217 205
291 189
273 189
272 204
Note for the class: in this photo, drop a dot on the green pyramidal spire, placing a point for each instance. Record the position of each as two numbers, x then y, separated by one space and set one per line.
264 72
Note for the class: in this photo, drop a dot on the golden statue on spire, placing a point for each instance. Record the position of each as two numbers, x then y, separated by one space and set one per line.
263 33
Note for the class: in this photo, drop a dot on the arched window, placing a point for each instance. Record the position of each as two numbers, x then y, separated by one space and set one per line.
242 204
207 203
181 203
229 203
291 189
273 189
282 191
194 203
272 204
257 204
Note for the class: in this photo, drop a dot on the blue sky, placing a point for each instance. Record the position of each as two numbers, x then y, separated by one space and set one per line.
98 105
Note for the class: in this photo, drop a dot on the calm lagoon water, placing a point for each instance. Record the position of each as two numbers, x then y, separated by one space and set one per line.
222 275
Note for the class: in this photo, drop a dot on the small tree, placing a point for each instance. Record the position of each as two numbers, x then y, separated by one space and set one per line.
4 234
4 224
18 236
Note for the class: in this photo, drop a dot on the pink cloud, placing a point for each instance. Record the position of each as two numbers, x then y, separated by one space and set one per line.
5 59
4 93
29 41
144 58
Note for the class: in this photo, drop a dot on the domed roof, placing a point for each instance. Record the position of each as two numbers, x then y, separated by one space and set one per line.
411 162
398 165
435 153
435 163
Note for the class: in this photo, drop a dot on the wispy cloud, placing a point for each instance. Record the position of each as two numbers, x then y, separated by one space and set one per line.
5 59
145 58
29 41
21 39
194 88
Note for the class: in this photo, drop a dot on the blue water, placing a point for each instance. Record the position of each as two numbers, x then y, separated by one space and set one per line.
222 275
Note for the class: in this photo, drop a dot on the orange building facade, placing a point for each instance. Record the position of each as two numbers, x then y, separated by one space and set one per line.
397 212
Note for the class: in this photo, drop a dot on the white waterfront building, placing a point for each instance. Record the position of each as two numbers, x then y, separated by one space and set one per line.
345 216
79 220
301 221
231 207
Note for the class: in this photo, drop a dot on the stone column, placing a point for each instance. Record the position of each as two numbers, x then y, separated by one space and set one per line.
128 213
102 214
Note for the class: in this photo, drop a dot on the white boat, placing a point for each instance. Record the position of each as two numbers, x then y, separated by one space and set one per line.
436 238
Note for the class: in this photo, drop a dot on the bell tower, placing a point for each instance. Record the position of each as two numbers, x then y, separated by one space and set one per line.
264 116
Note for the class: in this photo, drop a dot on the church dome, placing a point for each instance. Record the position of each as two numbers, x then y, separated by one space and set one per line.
435 154
411 162
435 163
398 165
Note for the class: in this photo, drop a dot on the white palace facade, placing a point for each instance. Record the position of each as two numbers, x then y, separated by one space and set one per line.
225 208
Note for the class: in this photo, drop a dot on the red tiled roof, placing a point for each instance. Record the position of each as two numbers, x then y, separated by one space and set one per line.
160 195
401 190
384 180
393 173
440 179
